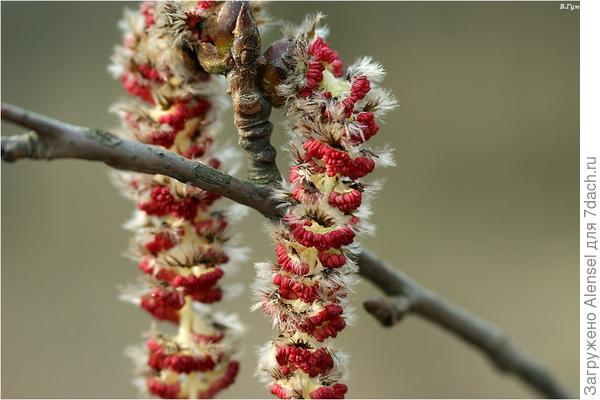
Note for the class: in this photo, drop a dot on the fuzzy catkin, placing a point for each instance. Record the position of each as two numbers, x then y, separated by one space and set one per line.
180 232
305 293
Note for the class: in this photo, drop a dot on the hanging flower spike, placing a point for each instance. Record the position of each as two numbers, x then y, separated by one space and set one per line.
306 291
180 233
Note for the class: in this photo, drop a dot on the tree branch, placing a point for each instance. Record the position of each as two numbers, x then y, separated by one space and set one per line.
53 139
409 296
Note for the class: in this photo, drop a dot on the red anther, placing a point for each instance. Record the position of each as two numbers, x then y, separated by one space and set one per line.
285 285
279 391
186 208
214 163
199 109
305 293
282 281
327 95
153 345
146 266
163 139
314 76
336 391
148 13
315 168
346 202
156 354
321 51
227 379
333 310
336 161
313 149
339 162
193 283
306 194
337 68
160 203
292 290
211 227
323 392
180 114
359 168
160 242
282 355
315 362
131 120
328 329
150 73
369 127
208 296
213 256
163 390
332 259
289 265
348 106
305 92
321 241
209 198
134 87
207 338
166 274
293 174
194 151
360 87
204 4
297 193
163 304
176 118
326 323
184 364
160 359
340 390
317 44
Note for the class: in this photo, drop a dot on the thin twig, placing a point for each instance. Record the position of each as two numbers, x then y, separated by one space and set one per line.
409 296
54 139
251 108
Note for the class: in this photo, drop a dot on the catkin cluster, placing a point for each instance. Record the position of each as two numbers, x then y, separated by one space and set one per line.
181 238
170 54
331 114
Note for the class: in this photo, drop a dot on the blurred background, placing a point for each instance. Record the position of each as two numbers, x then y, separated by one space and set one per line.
482 207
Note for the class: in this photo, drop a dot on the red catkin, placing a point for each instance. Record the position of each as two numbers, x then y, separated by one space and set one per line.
163 304
331 118
181 235
346 202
